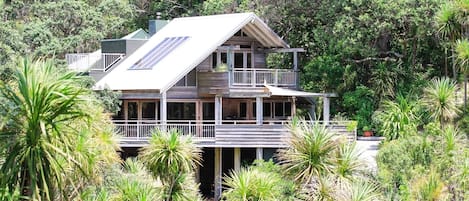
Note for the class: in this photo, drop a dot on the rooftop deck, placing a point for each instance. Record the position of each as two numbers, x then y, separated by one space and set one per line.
242 133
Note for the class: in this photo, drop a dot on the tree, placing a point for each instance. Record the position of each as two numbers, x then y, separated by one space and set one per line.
322 163
264 180
45 112
171 158
440 99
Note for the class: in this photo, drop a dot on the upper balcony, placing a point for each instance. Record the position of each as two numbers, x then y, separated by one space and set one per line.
96 61
245 78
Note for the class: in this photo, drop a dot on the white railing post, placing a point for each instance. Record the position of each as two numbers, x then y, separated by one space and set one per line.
276 77
138 129
190 128
253 78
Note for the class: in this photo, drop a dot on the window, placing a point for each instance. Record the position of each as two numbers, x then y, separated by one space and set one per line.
148 110
214 60
181 111
238 60
190 80
266 109
282 109
158 53
132 111
242 110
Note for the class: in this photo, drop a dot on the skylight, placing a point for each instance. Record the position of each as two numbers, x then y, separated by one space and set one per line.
156 54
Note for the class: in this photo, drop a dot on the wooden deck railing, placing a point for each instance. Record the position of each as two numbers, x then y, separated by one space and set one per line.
142 130
230 133
257 77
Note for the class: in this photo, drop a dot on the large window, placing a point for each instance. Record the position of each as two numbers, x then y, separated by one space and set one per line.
242 59
148 110
278 109
181 111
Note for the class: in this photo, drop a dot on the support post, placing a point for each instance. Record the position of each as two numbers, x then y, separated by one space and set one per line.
237 159
325 111
218 110
293 106
163 110
295 69
218 173
259 111
259 153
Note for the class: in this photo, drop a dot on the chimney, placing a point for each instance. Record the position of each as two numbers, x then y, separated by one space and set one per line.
156 25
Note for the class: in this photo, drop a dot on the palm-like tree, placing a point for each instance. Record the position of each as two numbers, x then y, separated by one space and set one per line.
252 184
440 99
449 26
321 161
311 151
171 158
43 115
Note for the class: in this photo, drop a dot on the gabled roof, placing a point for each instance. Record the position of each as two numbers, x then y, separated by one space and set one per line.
204 34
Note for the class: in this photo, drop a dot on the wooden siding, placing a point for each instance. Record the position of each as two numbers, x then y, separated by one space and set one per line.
206 65
264 135
182 93
212 83
251 135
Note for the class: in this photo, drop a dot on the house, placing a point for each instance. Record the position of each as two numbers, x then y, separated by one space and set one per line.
207 77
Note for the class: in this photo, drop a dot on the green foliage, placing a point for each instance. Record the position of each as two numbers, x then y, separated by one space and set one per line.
55 139
51 28
110 100
360 104
323 164
399 118
440 98
424 167
172 158
252 184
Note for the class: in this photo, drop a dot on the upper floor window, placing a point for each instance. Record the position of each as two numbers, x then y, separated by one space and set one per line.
190 80
241 33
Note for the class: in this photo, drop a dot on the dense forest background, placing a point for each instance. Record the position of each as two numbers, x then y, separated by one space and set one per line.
367 51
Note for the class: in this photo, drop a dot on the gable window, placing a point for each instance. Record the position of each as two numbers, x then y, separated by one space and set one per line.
190 80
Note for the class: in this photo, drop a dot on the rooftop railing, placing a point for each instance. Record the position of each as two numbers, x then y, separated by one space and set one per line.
93 61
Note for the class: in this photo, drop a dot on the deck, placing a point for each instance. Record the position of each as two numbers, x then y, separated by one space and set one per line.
242 133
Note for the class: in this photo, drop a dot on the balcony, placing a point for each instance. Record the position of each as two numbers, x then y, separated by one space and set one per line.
240 133
244 78
100 62
252 77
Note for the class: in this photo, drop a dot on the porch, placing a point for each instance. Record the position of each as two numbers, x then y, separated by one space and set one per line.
237 133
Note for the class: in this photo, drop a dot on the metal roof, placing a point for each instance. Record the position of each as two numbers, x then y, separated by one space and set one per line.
204 35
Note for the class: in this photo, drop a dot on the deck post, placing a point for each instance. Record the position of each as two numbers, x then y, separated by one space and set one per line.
163 110
218 110
218 173
295 69
259 153
259 111
325 111
237 159
293 106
